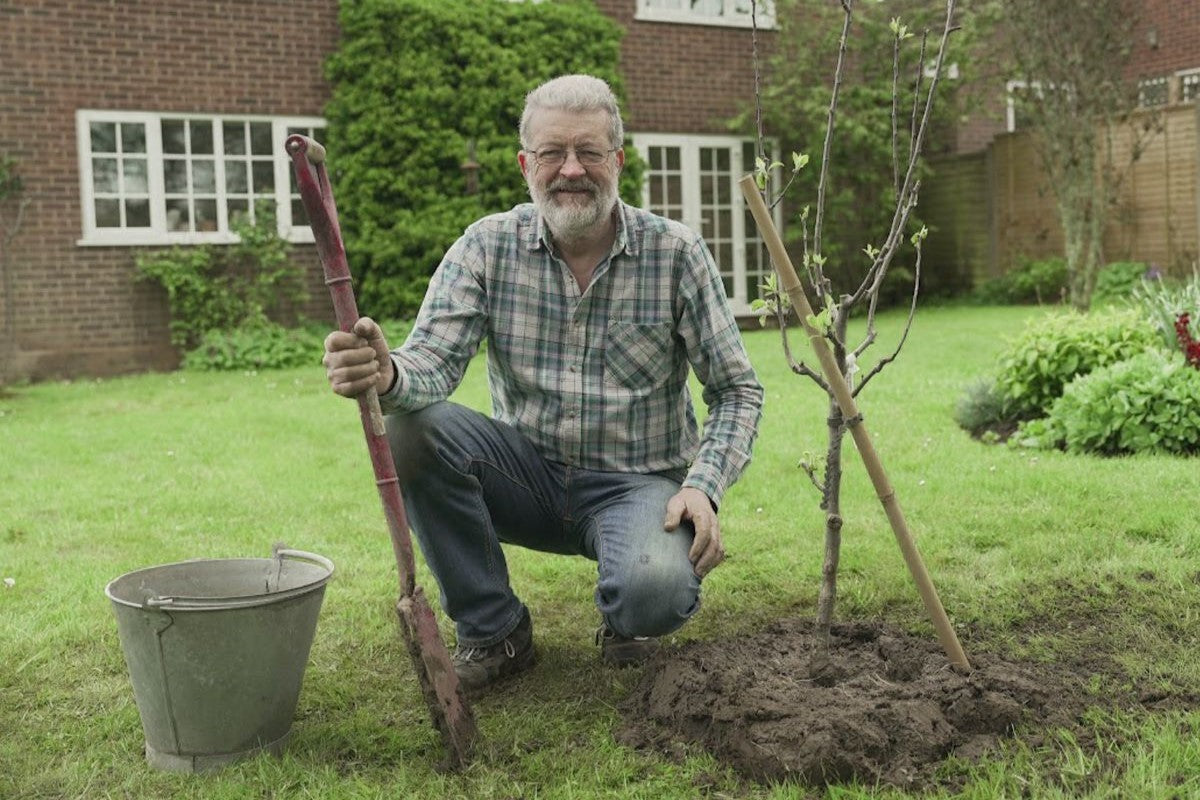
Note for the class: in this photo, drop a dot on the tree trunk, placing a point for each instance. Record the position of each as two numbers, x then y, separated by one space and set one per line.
832 500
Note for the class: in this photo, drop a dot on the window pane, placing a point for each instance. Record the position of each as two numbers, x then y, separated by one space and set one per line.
752 282
234 137
260 138
174 139
237 210
108 213
178 218
235 177
104 175
725 222
204 179
133 137
656 158
319 134
175 175
706 189
104 137
135 176
137 213
202 136
725 257
206 215
673 158
299 215
656 191
724 191
674 190
706 159
264 177
723 160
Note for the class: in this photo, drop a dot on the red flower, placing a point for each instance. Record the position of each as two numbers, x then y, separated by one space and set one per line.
1191 347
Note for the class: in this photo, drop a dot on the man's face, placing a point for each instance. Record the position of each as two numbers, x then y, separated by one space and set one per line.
572 196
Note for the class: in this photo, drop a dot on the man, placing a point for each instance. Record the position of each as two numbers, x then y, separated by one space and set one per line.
593 311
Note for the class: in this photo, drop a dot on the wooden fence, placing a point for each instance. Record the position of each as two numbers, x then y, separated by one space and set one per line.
989 211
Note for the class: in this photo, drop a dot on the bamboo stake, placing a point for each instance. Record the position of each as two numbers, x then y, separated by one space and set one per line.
845 400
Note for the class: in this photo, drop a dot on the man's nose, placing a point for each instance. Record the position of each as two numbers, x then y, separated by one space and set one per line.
571 167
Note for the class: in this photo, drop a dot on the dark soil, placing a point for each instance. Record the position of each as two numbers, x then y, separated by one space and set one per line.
880 706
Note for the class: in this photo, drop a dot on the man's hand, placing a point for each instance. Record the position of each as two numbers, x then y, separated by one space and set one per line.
693 504
355 361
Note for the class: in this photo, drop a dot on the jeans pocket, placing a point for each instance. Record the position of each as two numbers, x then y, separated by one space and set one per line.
637 355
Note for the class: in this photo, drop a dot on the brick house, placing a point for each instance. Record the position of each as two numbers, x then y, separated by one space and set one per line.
146 123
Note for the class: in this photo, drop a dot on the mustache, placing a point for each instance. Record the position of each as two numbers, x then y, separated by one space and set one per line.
574 185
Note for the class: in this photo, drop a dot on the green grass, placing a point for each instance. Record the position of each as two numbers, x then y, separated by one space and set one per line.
98 478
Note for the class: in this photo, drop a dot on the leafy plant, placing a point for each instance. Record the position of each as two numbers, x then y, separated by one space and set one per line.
1148 403
1052 352
1034 281
983 407
1162 302
217 287
1115 282
419 86
263 345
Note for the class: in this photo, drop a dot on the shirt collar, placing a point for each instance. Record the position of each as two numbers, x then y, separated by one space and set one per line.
537 233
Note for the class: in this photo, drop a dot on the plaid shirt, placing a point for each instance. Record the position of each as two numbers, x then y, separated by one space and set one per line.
595 379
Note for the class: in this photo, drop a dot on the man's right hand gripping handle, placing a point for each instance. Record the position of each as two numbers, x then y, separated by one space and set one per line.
357 360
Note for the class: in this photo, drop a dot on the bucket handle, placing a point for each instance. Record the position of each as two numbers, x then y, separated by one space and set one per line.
279 552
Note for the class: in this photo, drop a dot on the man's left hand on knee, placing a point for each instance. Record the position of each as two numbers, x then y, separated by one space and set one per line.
693 505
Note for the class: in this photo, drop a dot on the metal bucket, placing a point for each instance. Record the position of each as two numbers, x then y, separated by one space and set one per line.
216 650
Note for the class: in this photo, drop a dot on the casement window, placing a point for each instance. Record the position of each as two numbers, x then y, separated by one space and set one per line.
155 179
694 180
1189 85
1153 91
734 13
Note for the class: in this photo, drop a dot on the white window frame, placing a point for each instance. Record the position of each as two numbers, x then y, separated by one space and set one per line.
1156 81
1184 75
649 11
1010 115
689 146
157 233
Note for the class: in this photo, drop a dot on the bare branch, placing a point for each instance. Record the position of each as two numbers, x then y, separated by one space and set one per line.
830 124
912 132
912 311
797 367
895 106
811 472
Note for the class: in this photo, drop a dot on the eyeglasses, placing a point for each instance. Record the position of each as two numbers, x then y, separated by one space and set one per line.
555 156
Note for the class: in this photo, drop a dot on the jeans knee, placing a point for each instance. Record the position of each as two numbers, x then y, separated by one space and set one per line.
654 600
416 438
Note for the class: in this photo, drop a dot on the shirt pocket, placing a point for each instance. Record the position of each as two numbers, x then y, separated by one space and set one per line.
637 355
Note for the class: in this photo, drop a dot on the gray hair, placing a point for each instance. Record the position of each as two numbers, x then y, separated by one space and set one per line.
574 93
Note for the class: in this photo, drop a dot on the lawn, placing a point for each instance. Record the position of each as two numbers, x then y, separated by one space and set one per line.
1045 556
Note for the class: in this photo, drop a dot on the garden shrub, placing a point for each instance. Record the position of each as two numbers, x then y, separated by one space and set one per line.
1042 281
984 408
1115 282
213 287
1148 403
414 83
264 345
1053 351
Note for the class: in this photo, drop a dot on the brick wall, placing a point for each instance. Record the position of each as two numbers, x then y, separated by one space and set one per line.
78 310
683 78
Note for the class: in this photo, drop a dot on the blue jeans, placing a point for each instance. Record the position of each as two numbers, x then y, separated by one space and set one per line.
471 483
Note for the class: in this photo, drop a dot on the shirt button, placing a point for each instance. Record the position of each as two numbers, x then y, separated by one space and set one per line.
570 415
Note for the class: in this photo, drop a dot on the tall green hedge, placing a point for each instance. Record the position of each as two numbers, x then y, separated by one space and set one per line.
414 82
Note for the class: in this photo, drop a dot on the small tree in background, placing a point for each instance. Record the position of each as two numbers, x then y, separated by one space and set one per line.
13 202
1071 56
795 104
910 121
420 87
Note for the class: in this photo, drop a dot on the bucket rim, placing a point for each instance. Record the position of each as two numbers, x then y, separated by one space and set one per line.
187 603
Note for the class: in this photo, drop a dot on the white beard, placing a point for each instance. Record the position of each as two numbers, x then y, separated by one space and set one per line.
572 217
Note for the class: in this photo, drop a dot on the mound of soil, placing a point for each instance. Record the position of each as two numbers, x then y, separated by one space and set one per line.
878 706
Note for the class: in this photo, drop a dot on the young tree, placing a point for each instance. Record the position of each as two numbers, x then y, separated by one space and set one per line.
910 120
1071 56
13 202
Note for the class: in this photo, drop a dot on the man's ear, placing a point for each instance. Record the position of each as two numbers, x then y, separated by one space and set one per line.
521 159
620 159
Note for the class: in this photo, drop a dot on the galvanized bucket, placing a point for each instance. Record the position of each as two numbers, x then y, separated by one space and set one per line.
216 650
